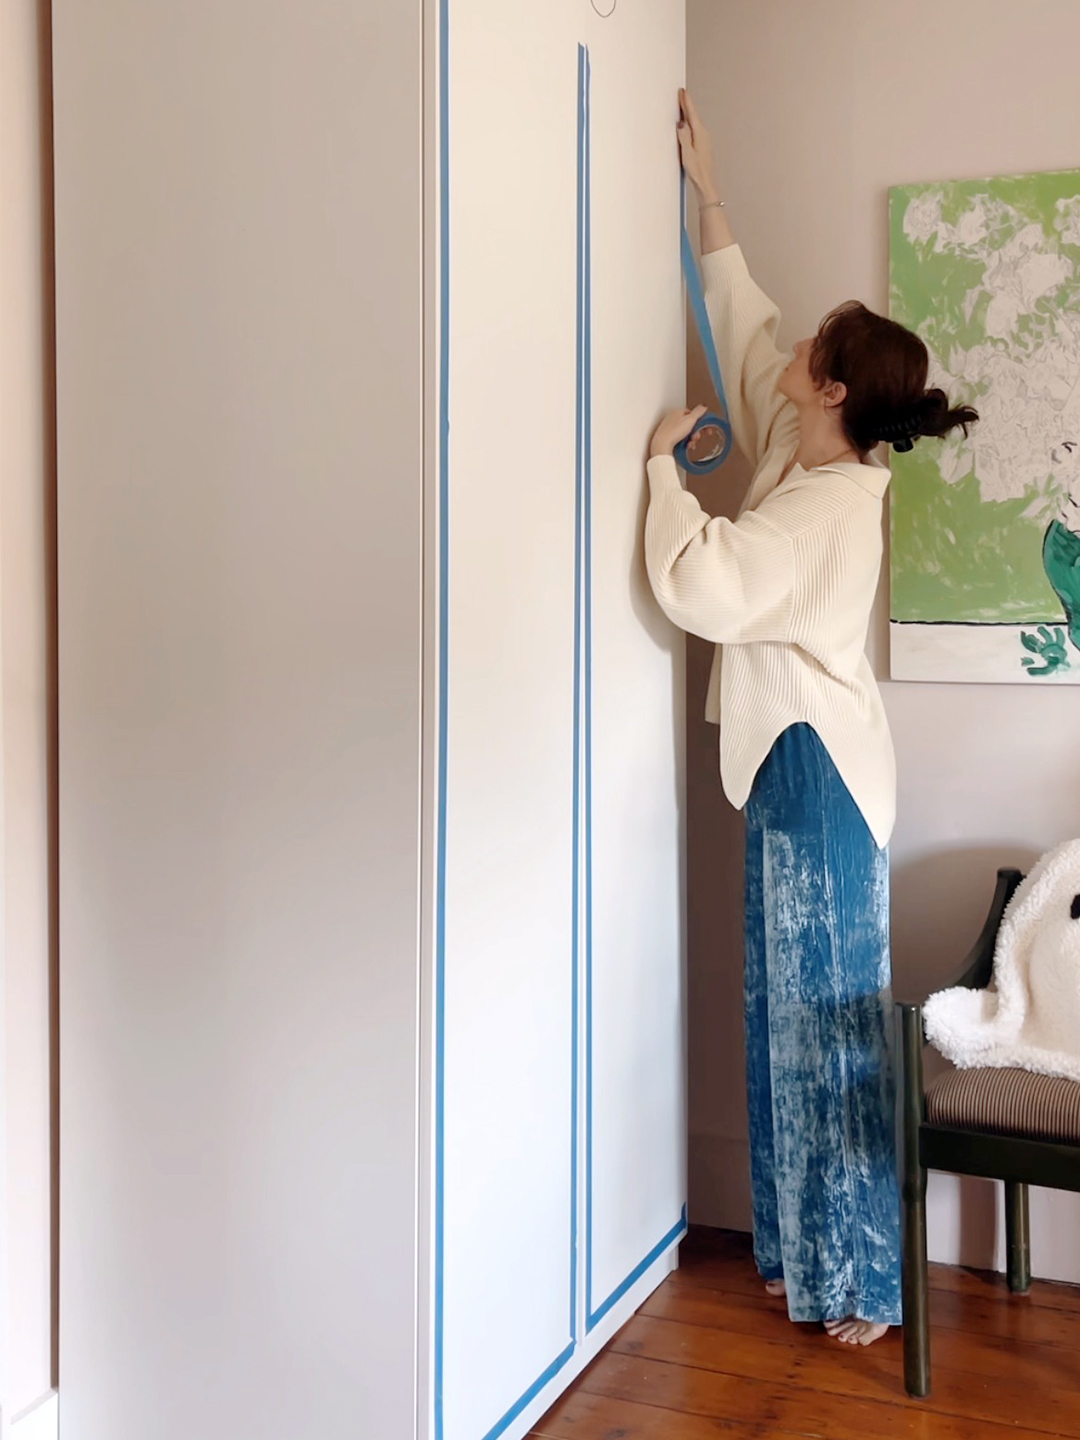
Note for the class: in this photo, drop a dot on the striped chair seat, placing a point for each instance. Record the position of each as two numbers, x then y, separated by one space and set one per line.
1006 1102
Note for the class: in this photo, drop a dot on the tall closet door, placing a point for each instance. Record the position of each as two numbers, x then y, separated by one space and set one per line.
558 1171
507 1070
239 346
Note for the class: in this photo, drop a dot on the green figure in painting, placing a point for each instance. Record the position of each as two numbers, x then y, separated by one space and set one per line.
1049 650
1061 557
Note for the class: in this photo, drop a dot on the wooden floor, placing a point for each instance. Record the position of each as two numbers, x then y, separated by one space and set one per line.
711 1354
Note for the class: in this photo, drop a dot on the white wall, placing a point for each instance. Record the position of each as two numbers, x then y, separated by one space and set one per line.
239 402
817 106
26 631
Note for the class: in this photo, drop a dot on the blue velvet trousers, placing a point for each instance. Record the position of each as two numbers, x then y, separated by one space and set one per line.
820 1083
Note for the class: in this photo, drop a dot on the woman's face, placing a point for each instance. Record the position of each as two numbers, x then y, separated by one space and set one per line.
796 382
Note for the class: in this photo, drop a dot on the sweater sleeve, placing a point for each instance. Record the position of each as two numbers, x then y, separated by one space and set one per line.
744 322
730 581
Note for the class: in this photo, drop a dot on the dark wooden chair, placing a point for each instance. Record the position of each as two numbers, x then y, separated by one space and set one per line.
1002 1124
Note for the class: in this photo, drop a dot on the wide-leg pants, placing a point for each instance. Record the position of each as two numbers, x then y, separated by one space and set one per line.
818 1025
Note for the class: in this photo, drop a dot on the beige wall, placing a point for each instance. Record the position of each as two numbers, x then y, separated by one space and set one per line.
817 106
26 484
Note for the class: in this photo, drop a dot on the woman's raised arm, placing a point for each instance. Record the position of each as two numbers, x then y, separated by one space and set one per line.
743 320
695 148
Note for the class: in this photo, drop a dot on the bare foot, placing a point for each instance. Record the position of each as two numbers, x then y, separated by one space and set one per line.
775 1287
855 1332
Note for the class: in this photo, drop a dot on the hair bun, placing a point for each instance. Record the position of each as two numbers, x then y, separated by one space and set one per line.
884 368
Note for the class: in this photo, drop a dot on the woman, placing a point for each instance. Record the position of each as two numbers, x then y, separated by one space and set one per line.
787 590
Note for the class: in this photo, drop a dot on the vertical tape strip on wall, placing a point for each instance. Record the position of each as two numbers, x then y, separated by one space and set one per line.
444 626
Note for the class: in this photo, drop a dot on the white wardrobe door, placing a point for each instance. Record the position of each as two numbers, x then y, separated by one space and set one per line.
634 1069
240 366
560 882
506 1063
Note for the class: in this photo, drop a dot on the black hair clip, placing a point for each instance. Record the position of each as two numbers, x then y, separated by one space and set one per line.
900 433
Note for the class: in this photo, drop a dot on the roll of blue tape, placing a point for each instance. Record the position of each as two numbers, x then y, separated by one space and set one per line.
715 458
715 455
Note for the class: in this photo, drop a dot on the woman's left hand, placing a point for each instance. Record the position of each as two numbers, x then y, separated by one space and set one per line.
675 426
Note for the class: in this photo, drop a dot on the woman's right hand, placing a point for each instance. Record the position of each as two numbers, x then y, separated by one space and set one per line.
695 148
676 425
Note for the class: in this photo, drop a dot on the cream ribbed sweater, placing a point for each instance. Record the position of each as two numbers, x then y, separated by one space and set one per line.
787 588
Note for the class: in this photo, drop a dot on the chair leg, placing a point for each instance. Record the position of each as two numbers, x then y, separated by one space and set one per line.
916 1286
1017 1237
916 1290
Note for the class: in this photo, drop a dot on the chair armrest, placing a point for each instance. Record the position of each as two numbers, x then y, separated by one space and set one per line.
979 965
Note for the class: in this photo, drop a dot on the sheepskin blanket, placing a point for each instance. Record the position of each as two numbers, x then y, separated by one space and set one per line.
1030 1015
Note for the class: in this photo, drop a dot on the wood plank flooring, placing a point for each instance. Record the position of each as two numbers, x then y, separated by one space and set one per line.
711 1354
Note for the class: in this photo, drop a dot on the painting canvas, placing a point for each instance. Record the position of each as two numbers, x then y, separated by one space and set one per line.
985 550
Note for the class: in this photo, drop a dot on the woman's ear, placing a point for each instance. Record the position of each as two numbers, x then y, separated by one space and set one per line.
834 394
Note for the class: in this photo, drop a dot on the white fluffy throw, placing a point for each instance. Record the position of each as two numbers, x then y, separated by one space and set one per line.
1030 1015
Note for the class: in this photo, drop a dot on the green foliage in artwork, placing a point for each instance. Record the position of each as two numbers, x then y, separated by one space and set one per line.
957 554
964 559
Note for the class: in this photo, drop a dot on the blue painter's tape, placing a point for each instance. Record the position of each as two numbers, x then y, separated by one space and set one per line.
579 490
675 1233
709 421
696 296
530 1394
444 631
587 707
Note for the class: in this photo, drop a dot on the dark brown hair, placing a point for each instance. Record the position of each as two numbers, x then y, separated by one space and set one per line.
884 367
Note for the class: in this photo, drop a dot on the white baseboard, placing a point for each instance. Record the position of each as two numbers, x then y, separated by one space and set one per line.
40 1422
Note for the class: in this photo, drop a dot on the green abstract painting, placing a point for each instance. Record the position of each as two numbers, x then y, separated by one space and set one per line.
986 529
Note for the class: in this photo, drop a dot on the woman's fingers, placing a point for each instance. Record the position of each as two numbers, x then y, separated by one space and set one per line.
684 424
695 148
674 427
690 111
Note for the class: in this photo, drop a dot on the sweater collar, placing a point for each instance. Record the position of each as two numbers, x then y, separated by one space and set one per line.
873 477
